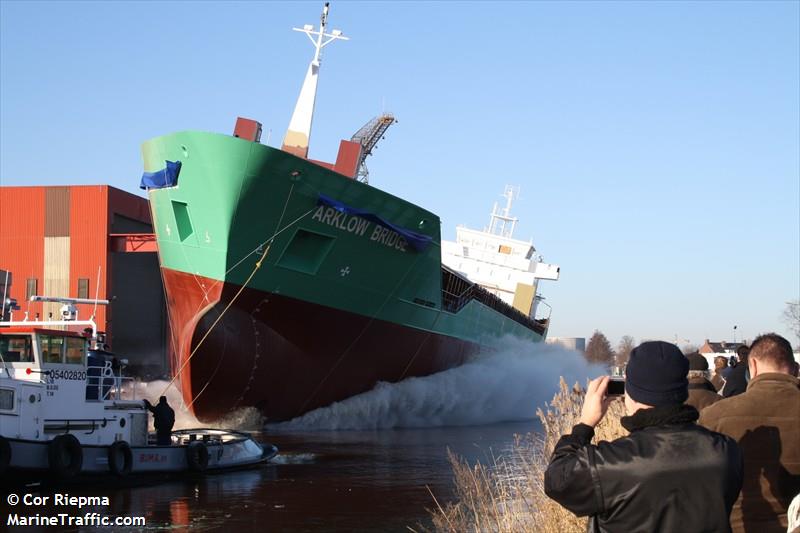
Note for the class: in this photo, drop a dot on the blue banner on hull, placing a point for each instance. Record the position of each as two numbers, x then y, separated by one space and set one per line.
166 177
417 240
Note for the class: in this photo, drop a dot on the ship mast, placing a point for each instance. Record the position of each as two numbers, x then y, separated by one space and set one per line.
299 132
501 220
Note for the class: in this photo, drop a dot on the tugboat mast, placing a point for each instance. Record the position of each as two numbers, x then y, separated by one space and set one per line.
299 132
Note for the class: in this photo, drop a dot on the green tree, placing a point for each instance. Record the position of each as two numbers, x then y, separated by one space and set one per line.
598 350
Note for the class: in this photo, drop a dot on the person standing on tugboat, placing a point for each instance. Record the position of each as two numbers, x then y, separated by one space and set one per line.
163 420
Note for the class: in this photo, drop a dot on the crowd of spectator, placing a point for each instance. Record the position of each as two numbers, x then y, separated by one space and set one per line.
705 452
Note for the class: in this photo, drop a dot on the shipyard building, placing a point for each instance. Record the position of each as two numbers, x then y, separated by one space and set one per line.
87 242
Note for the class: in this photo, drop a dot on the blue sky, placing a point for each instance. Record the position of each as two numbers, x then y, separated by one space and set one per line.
657 145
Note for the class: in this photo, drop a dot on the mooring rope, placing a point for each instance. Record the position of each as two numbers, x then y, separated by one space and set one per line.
278 231
208 332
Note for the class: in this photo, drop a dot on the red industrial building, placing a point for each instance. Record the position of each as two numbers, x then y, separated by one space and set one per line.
78 242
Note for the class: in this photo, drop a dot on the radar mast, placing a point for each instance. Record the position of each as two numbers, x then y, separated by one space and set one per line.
502 223
299 132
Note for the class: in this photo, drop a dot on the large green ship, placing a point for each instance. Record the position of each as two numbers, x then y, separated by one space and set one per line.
292 283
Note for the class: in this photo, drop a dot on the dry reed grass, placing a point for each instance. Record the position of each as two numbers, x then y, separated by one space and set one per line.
508 495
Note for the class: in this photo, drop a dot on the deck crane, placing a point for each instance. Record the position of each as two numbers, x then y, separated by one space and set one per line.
368 136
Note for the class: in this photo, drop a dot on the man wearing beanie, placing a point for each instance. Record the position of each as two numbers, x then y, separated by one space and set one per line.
701 391
668 474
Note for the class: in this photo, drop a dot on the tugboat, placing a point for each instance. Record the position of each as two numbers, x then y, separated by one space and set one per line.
62 409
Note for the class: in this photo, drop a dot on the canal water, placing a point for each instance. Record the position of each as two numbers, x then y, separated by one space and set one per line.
370 463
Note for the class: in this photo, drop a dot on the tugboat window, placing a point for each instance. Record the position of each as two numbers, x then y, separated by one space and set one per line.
6 399
16 348
52 348
74 351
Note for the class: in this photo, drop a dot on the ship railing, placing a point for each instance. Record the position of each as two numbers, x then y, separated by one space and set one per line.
490 300
103 385
458 292
5 367
543 311
209 435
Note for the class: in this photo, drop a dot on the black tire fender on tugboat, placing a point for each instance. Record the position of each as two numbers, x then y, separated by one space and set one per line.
5 455
65 455
197 456
120 458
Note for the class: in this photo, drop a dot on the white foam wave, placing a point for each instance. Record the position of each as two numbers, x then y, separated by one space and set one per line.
246 418
293 459
505 386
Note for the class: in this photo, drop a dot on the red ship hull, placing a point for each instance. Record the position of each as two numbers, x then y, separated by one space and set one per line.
285 356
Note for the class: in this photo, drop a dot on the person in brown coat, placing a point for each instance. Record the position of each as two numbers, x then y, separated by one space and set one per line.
765 420
718 380
701 392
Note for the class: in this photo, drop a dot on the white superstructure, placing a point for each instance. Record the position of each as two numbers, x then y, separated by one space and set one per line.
507 267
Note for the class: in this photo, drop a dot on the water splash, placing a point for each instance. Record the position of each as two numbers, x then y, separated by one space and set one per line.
294 458
246 418
505 386
242 419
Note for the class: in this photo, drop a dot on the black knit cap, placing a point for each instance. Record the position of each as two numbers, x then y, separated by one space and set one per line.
656 374
697 361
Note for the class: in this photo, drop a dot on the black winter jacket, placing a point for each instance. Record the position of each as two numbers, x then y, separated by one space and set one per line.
163 417
668 475
736 382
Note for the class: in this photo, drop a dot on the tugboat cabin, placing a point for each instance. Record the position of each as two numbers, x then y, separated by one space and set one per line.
51 383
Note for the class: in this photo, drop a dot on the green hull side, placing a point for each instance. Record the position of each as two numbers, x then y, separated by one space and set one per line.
234 195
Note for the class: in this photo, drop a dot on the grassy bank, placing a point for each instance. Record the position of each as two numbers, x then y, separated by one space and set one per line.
508 495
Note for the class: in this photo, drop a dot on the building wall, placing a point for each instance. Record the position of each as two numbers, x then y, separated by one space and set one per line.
60 236
22 225
88 258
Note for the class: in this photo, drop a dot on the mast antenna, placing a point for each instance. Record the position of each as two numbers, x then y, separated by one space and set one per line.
501 222
299 132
